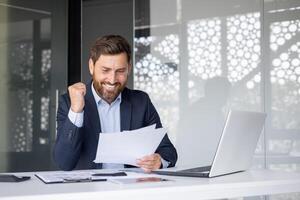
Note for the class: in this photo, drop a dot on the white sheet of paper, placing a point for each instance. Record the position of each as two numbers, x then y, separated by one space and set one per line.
151 127
128 146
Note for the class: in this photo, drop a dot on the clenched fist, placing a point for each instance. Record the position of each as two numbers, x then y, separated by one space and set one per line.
77 92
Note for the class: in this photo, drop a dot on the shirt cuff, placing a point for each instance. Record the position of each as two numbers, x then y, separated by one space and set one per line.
164 163
76 118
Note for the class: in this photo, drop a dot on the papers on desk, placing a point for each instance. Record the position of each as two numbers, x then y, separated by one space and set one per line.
128 146
69 177
114 176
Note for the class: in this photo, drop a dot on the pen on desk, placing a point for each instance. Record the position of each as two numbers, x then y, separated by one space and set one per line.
71 180
110 174
75 180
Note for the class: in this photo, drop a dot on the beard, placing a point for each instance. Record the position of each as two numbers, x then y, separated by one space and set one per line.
109 95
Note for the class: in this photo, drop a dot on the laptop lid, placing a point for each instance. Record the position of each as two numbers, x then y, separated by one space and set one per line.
238 142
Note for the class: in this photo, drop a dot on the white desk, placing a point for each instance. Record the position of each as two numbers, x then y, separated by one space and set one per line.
250 183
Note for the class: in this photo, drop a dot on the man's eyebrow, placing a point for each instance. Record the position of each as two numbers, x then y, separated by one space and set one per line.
119 68
105 67
122 68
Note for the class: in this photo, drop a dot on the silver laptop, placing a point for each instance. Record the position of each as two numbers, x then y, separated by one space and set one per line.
235 149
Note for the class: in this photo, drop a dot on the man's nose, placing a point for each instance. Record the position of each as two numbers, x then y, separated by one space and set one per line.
112 77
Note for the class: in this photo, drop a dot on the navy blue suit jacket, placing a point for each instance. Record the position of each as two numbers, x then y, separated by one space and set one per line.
75 148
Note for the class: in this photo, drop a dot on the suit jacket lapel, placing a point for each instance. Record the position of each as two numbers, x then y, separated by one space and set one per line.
125 111
91 110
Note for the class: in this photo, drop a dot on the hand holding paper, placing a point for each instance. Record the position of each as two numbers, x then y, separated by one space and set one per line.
128 146
150 162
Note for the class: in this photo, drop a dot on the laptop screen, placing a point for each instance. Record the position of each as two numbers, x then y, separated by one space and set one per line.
238 142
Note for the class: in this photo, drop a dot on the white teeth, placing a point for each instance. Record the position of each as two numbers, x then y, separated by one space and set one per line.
110 87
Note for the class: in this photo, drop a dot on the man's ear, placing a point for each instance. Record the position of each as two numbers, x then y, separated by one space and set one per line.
91 66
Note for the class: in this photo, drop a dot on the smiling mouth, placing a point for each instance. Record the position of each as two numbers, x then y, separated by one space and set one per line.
110 87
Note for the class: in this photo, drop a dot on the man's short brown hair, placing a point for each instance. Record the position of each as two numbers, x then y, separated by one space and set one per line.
110 45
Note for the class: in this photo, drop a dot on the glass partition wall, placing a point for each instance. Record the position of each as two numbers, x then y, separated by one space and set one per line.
198 59
282 93
31 56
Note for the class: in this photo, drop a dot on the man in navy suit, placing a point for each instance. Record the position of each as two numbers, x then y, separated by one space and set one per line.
105 105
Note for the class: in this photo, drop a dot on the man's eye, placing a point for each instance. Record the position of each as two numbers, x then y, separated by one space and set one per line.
121 71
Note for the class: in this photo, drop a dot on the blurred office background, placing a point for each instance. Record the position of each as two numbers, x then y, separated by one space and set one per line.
196 58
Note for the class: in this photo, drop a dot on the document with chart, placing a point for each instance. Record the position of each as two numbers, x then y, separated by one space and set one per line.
128 146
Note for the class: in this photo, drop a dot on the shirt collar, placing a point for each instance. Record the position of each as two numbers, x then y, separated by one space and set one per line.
99 100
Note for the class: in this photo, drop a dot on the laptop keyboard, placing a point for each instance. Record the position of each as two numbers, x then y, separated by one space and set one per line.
197 169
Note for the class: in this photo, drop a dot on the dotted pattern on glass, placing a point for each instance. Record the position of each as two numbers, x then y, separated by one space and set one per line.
158 79
143 41
204 47
22 128
141 46
287 66
285 74
281 32
46 64
45 113
22 60
169 48
254 81
243 36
